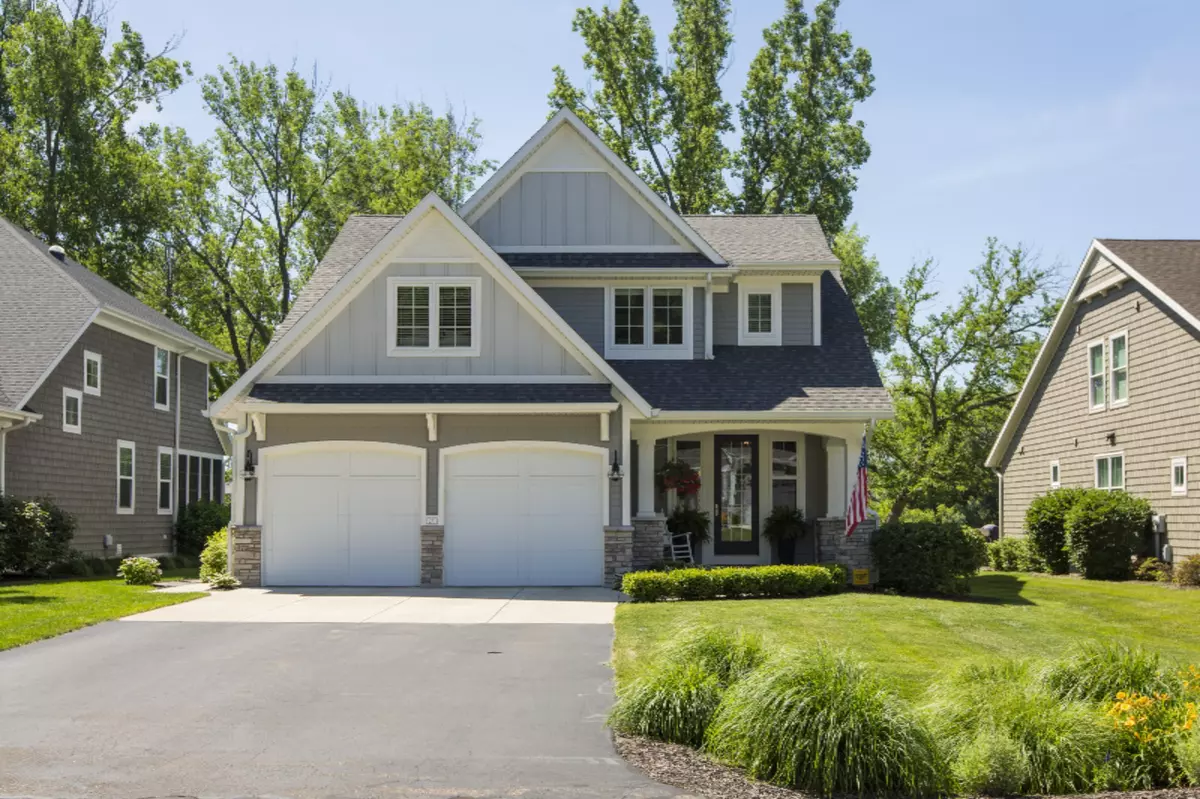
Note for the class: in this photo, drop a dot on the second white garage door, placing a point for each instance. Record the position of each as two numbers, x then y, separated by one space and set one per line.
342 513
524 515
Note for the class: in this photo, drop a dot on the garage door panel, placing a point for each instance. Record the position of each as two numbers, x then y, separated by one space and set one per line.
487 463
564 495
380 495
493 497
309 463
383 464
554 464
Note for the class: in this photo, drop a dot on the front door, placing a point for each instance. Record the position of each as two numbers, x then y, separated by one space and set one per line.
735 517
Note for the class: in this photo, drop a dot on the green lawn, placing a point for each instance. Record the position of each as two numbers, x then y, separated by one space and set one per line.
33 611
913 640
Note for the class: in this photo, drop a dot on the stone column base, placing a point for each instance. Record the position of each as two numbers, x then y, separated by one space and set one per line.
853 552
618 554
648 537
433 537
247 555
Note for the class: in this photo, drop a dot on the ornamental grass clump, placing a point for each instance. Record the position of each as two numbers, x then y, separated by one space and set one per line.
728 656
820 722
1062 741
991 764
1097 670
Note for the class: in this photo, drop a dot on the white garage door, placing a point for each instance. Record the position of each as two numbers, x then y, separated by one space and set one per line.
524 516
342 514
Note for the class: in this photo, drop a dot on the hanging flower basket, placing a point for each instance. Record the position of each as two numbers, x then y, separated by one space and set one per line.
677 476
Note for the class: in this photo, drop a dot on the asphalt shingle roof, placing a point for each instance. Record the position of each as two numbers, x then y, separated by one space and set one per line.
764 239
838 375
432 393
611 260
1173 265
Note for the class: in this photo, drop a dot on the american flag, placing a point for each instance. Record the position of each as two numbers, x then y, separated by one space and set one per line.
857 511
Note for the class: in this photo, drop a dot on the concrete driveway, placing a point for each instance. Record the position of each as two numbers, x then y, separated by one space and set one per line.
316 694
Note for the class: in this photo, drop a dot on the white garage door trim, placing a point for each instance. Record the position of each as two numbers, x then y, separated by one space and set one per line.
269 453
600 453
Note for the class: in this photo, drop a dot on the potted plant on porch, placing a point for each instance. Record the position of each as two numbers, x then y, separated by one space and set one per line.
783 528
681 478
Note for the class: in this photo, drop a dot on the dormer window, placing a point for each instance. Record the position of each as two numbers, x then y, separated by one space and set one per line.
760 312
648 322
433 316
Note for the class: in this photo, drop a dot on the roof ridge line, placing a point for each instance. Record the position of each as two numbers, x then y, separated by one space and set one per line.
56 264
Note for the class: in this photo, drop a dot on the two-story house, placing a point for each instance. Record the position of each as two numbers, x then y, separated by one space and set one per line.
485 397
102 402
1110 401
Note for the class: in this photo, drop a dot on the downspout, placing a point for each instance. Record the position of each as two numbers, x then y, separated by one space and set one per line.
708 320
1000 504
175 450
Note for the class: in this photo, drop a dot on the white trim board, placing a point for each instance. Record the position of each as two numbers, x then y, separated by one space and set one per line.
318 380
258 406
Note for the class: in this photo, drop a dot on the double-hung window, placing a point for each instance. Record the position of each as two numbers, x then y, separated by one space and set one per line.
1110 470
166 481
1096 375
649 322
1179 476
162 379
1118 366
785 474
126 462
433 316
91 373
72 411
1055 475
760 312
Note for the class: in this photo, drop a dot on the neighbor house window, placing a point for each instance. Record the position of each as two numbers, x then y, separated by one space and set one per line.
1179 476
201 478
1110 471
125 476
1096 375
72 413
645 322
1118 352
433 316
1055 481
760 312
166 459
785 474
162 379
91 373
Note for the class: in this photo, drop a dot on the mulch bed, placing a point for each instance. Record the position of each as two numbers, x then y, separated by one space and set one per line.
683 767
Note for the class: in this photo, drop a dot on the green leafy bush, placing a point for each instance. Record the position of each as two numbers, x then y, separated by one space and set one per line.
196 522
1096 670
1063 741
1046 527
214 560
840 577
674 702
75 565
1152 570
1013 555
1103 530
34 534
1187 571
820 722
927 557
728 582
139 571
103 567
224 581
691 521
992 764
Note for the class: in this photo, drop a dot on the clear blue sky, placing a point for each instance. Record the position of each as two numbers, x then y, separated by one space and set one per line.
1047 122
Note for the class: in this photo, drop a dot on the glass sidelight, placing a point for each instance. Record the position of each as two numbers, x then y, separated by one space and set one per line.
735 511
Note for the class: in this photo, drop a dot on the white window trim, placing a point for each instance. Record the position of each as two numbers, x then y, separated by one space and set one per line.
648 350
1055 475
475 284
129 445
157 374
775 289
1108 456
89 356
1103 375
170 453
1110 383
780 477
1179 491
77 395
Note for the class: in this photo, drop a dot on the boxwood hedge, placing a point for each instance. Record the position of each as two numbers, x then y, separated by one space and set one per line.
733 582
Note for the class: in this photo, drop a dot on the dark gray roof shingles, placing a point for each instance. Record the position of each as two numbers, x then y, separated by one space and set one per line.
1173 265
432 393
764 238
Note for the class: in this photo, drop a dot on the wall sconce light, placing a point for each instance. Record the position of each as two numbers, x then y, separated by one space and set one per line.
248 468
615 472
1112 438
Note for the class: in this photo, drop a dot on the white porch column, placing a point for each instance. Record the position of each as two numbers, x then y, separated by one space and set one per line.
645 457
836 472
626 470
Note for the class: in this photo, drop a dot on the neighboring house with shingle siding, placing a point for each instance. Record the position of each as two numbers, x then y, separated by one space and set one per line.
484 396
1114 396
103 402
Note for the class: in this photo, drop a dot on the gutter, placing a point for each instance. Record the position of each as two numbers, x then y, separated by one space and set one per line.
708 317
1000 503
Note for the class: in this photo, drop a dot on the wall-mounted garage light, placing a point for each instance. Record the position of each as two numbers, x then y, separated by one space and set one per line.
615 472
248 468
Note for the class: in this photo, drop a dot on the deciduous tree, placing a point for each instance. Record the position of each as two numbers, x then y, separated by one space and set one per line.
872 293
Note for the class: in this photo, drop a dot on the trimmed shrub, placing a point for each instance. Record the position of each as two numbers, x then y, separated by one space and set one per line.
927 558
139 571
1152 570
197 521
214 560
1187 571
674 702
1062 741
839 575
224 581
103 567
34 534
728 656
992 764
728 582
1013 555
1046 527
1103 530
1097 670
820 722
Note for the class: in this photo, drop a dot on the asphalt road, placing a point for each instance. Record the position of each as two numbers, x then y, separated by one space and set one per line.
313 710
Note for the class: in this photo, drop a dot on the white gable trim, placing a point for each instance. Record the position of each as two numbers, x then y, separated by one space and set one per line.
1050 346
354 281
511 171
